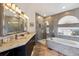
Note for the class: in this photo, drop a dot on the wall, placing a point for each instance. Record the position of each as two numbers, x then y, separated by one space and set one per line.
51 23
55 18
1 19
30 13
31 20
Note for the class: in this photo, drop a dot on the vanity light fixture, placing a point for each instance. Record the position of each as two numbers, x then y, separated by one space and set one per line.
26 16
19 10
15 9
22 16
13 6
9 4
11 10
6 7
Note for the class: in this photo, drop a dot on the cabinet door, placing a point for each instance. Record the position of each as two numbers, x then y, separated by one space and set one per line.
7 53
20 51
29 47
4 53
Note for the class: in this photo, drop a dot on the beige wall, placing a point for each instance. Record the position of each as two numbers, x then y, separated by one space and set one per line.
31 19
55 18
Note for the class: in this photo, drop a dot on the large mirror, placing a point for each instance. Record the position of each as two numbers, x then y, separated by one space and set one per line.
13 23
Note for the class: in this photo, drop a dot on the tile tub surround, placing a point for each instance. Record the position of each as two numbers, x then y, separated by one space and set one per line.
67 48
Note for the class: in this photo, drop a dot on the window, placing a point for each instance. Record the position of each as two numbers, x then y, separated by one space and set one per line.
68 20
68 26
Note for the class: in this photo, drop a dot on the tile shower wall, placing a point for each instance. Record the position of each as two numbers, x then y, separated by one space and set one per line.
40 27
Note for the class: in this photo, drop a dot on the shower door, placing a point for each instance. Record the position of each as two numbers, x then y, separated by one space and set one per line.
40 27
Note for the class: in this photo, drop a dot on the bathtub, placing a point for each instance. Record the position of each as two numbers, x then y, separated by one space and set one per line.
65 46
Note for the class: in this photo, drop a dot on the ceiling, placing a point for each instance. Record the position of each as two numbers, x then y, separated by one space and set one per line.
46 9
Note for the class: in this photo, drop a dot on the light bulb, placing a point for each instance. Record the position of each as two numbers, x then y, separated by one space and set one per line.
64 7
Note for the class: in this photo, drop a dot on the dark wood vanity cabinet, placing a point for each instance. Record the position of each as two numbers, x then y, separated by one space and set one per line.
7 53
29 46
24 50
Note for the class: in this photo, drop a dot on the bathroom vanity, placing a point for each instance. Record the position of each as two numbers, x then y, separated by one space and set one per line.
19 47
14 38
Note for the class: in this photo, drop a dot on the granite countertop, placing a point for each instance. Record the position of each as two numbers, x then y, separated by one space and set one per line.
16 43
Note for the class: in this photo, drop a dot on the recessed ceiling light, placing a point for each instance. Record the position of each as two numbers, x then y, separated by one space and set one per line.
64 7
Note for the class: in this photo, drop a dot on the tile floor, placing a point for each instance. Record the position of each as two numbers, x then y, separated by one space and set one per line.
40 49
